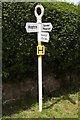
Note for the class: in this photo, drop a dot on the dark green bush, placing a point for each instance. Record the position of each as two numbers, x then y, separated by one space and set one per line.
19 47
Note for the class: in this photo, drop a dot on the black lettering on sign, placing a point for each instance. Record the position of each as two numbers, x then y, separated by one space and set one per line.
29 26
46 28
46 25
42 38
44 35
32 27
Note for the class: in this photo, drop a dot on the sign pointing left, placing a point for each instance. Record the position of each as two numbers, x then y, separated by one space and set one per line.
31 27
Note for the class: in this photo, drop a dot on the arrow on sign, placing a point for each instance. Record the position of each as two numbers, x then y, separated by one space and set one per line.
31 27
44 36
46 27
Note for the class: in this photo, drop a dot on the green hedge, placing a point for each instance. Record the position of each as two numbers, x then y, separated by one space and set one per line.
19 47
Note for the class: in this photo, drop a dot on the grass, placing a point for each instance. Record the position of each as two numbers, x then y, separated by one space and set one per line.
62 106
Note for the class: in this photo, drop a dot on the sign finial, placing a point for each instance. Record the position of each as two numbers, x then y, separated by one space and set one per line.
39 11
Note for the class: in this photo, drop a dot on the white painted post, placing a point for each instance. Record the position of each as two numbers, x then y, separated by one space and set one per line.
39 21
40 82
40 72
42 35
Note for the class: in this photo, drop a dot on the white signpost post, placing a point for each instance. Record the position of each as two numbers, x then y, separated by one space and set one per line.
42 30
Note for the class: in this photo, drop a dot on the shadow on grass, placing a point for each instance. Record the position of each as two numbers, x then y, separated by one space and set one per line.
53 103
63 94
28 101
18 105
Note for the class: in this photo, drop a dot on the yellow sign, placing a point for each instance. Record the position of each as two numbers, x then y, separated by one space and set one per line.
40 50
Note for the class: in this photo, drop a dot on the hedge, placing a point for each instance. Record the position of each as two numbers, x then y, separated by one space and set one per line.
19 47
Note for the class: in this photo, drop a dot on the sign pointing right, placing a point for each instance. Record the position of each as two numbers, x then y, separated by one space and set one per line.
46 27
44 37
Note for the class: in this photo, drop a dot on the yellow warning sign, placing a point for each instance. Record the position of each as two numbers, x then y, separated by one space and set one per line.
40 50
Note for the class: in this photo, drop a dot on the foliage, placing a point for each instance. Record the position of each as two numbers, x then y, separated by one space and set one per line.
19 47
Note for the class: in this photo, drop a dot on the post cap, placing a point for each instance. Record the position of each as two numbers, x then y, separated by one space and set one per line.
40 9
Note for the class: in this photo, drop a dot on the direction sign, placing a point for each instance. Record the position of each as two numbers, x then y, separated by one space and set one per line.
46 27
44 36
31 27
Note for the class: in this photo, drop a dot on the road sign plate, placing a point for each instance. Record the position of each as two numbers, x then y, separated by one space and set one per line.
40 50
44 36
46 27
31 27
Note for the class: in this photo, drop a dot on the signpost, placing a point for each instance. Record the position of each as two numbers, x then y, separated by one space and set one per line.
42 30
